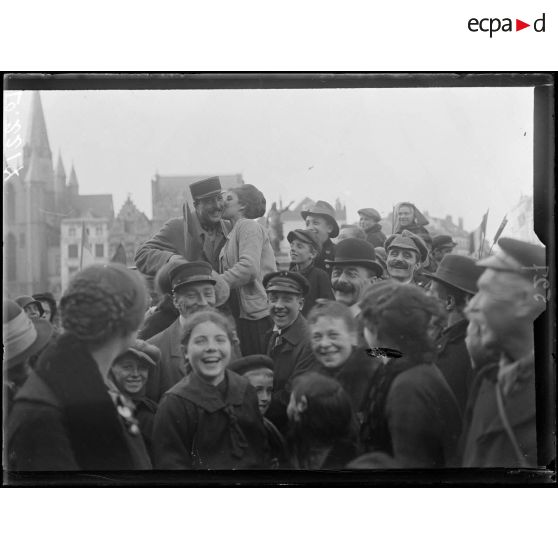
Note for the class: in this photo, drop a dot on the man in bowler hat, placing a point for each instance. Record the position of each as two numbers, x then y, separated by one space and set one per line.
454 284
288 343
321 219
207 231
370 224
501 425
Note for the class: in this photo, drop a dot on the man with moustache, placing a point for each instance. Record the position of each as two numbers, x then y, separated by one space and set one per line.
405 254
192 287
288 343
501 418
355 267
321 219
209 236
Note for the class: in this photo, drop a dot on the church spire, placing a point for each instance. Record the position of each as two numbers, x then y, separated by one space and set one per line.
37 137
60 171
73 181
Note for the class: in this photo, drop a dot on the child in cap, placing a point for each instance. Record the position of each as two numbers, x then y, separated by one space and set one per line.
305 247
130 372
210 419
258 370
321 432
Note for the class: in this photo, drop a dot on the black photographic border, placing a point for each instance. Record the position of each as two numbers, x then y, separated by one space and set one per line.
545 325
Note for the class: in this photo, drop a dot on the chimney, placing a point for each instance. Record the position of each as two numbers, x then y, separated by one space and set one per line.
460 222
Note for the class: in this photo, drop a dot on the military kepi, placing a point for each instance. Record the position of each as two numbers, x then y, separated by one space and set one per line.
286 282
190 272
517 256
206 188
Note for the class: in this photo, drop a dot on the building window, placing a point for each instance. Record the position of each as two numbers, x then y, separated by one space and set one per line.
72 231
22 240
72 250
99 230
99 250
11 259
72 270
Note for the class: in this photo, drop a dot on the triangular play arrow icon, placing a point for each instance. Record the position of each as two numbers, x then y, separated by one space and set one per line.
519 25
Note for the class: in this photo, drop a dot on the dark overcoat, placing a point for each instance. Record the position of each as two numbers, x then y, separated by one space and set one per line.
292 357
327 253
320 287
418 421
200 426
375 236
486 441
171 367
454 361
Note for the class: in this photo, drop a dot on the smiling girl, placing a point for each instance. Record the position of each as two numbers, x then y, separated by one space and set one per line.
211 418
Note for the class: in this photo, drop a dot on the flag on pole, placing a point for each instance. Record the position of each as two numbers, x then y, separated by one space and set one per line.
86 257
119 255
477 238
192 243
500 229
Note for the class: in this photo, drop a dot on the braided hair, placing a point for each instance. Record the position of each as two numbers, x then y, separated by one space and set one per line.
102 301
402 312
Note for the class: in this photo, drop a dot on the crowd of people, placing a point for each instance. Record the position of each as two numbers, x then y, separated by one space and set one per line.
369 352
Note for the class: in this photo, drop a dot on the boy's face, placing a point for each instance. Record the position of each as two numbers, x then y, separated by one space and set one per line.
262 381
301 252
284 307
332 342
130 374
320 225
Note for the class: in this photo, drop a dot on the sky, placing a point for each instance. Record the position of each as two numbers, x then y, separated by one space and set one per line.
452 152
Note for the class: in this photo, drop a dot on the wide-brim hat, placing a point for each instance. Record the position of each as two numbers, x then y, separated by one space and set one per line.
23 337
370 212
355 251
307 236
206 188
286 282
517 256
250 363
323 209
408 241
26 300
459 272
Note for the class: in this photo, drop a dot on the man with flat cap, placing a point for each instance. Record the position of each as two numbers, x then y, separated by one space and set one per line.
454 284
501 429
288 343
321 219
442 244
204 235
193 287
370 224
405 252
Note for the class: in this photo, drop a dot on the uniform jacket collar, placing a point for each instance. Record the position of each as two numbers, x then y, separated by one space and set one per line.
208 397
296 331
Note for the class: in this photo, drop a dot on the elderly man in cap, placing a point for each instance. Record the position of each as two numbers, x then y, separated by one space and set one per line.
454 284
193 287
288 343
501 416
354 268
405 253
370 224
321 219
205 234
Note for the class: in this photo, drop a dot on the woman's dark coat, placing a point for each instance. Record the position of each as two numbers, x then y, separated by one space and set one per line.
375 236
199 427
64 419
418 420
